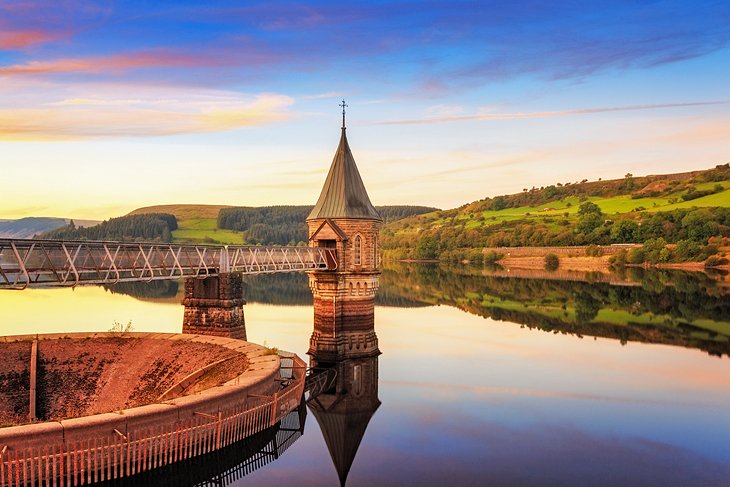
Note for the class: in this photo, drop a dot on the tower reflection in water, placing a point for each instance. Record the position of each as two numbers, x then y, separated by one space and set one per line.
343 410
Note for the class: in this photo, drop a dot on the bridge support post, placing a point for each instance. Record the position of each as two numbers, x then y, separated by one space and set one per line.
214 306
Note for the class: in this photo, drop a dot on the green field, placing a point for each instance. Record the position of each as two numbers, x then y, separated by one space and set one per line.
559 208
204 230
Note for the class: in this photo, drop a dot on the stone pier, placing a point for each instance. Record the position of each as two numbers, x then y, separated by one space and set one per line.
214 306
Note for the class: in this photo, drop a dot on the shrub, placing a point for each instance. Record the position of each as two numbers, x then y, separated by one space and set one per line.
619 260
551 262
636 256
655 250
693 194
716 261
594 251
492 257
687 250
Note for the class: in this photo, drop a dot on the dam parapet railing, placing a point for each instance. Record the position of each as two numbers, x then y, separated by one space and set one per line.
115 445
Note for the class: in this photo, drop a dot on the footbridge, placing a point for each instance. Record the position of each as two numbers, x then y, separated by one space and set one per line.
47 263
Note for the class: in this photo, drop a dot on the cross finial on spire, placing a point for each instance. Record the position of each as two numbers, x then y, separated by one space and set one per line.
343 105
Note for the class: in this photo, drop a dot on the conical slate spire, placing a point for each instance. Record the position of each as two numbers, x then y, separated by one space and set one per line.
343 194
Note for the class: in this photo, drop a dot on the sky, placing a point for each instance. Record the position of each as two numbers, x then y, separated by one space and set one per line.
107 106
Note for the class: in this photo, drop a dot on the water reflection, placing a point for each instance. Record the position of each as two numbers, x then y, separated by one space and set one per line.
228 465
673 308
679 308
471 401
344 410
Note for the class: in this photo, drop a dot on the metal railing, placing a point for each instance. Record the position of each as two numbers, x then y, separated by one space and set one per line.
118 455
35 263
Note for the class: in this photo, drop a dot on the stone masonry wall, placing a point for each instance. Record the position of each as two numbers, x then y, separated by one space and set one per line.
368 232
214 306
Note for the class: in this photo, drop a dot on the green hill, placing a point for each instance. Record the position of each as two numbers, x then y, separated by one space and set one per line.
693 206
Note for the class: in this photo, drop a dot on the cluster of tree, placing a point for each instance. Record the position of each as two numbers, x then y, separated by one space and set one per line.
450 241
155 227
266 225
285 225
657 251
694 193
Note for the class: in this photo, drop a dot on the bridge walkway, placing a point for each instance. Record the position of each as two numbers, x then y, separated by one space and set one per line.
47 263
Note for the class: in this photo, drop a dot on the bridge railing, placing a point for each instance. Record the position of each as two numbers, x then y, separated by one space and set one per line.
26 263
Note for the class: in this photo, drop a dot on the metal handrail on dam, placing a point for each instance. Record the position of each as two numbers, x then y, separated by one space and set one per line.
48 263
118 454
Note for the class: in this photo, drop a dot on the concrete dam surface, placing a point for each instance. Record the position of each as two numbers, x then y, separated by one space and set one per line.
93 373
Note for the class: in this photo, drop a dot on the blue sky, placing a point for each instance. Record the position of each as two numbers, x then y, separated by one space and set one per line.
107 106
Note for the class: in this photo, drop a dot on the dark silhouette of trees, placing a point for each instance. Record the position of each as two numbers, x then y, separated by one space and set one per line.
156 227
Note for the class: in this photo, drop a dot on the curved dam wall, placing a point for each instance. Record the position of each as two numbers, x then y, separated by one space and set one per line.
259 378
82 375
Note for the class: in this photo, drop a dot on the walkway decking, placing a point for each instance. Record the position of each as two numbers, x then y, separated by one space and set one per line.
44 263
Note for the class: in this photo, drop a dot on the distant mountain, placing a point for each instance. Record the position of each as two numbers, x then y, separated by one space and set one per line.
34 225
27 227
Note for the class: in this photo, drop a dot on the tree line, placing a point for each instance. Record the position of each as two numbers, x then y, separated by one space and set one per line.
686 227
285 225
156 227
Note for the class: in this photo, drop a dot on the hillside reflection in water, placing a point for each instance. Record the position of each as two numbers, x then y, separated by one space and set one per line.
487 379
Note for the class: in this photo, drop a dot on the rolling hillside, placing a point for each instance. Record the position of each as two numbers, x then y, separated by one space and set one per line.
553 215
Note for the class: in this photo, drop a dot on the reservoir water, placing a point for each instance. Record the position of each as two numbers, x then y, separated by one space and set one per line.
484 378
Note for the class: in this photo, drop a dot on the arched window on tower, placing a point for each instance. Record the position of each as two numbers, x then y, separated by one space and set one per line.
358 250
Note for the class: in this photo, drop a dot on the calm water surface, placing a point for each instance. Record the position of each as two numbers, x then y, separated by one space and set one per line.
487 380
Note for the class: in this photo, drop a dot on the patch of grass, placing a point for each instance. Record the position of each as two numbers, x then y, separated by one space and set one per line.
198 224
203 230
226 237
183 212
718 199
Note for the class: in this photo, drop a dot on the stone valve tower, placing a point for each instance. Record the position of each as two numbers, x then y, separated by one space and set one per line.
344 219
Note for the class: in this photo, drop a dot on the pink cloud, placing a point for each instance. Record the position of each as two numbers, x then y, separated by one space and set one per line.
20 39
118 63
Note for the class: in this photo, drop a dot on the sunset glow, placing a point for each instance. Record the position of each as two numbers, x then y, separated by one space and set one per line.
108 106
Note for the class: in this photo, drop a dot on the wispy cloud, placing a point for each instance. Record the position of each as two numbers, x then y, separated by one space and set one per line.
446 46
19 39
114 64
184 112
331 94
559 113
